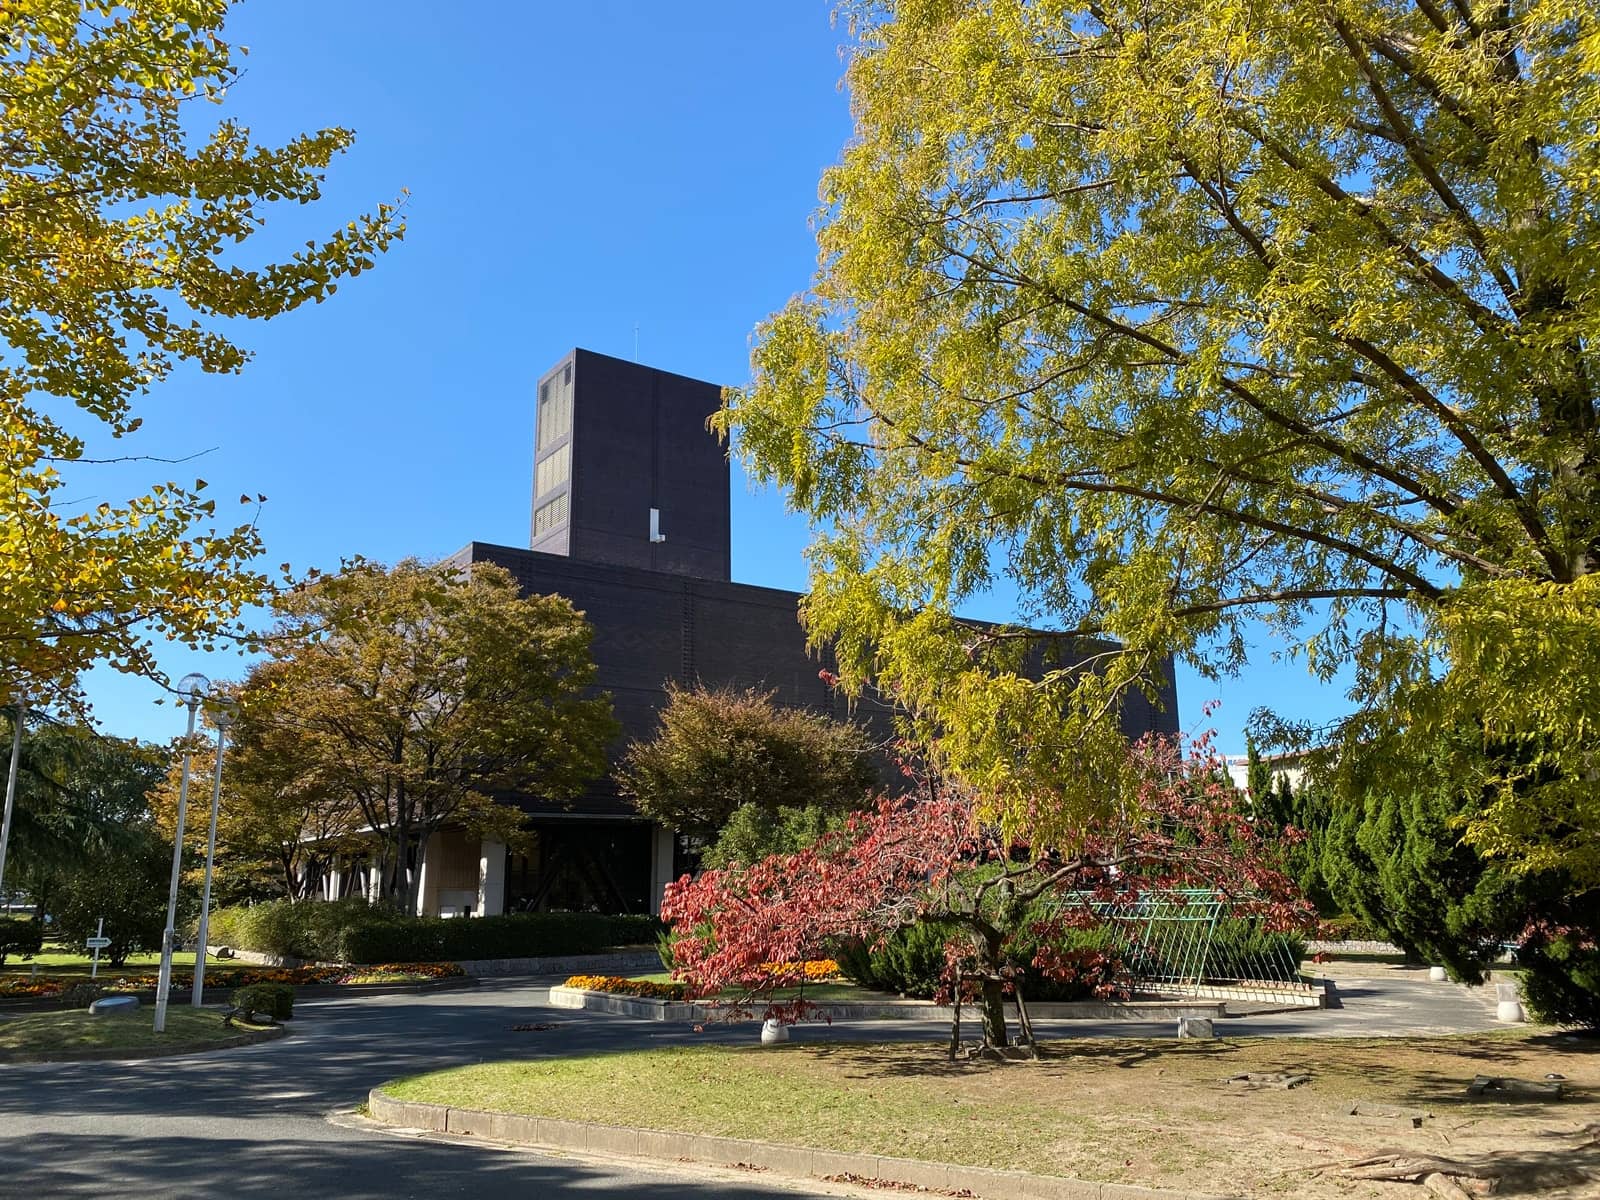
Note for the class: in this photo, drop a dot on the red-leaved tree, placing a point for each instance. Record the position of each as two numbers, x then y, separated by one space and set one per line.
928 858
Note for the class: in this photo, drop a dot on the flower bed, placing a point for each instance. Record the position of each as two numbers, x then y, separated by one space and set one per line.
46 986
618 986
815 970
819 970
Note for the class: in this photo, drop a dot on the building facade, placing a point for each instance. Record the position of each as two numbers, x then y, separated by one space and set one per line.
631 524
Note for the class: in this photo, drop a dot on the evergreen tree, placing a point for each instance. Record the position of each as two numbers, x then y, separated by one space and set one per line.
1396 858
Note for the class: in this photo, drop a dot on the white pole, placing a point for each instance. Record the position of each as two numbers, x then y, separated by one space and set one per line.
211 853
99 932
11 792
164 978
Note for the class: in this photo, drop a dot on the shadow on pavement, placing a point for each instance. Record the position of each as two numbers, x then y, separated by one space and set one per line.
351 1169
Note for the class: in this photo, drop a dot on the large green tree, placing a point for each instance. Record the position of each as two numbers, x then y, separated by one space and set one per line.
80 801
1197 320
411 696
718 751
125 229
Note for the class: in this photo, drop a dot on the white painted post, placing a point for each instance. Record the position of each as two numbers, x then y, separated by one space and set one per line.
222 721
11 793
191 688
491 878
663 843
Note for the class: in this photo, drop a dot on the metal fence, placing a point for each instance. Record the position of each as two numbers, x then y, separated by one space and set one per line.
1195 942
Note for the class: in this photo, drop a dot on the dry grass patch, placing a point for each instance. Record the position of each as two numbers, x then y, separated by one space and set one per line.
1152 1112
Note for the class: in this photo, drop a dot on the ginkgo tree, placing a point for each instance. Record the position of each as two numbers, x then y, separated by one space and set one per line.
1201 321
125 219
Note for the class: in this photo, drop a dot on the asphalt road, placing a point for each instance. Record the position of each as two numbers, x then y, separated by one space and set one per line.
256 1122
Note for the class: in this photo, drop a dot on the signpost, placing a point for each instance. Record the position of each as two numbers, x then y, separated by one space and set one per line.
97 943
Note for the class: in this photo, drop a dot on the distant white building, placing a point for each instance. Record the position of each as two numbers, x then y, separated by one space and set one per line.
1290 765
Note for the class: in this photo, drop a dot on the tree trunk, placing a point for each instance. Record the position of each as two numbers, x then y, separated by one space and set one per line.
994 1013
955 1016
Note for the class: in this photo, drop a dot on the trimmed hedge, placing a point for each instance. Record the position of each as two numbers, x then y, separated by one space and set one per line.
353 931
516 935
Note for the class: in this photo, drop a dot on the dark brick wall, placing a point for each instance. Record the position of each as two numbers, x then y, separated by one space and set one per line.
639 441
651 627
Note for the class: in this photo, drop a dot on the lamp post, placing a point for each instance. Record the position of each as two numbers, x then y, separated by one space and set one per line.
222 718
21 703
193 689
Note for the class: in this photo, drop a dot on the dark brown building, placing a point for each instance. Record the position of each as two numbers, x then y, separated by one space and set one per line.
631 523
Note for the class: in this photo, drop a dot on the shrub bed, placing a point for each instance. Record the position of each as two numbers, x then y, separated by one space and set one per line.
352 931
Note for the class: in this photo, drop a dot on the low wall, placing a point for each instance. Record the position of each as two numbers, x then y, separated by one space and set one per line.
886 1010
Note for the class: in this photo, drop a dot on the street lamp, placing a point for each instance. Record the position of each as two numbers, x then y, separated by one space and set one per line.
21 703
221 718
193 689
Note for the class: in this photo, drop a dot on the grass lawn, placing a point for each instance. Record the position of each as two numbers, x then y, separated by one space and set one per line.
58 959
1153 1112
187 1028
840 992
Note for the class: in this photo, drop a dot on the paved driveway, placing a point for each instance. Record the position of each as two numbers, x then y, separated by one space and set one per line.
254 1122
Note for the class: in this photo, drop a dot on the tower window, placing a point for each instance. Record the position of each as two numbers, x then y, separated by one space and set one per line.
553 470
550 516
555 408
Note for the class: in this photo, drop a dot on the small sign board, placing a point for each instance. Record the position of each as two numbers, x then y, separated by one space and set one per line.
97 943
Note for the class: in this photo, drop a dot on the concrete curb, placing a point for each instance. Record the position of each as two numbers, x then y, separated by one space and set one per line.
246 1037
799 1161
885 1010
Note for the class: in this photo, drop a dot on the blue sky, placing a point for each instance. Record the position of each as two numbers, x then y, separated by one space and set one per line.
575 172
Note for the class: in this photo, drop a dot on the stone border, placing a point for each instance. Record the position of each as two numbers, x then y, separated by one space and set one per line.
885 1010
247 1037
800 1161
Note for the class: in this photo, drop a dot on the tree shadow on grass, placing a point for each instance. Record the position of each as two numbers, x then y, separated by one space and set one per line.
930 1059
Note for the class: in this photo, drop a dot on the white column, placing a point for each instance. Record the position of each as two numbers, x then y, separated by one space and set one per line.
663 842
374 884
491 878
430 863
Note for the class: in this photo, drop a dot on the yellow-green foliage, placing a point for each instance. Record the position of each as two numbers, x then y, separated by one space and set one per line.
1199 321
124 233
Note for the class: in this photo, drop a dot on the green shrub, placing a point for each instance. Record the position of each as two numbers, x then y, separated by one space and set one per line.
354 931
664 949
309 929
910 961
275 1000
20 936
1561 983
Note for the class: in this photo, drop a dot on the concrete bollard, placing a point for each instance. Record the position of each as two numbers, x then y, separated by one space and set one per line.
1437 974
772 1033
1509 1006
1196 1027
